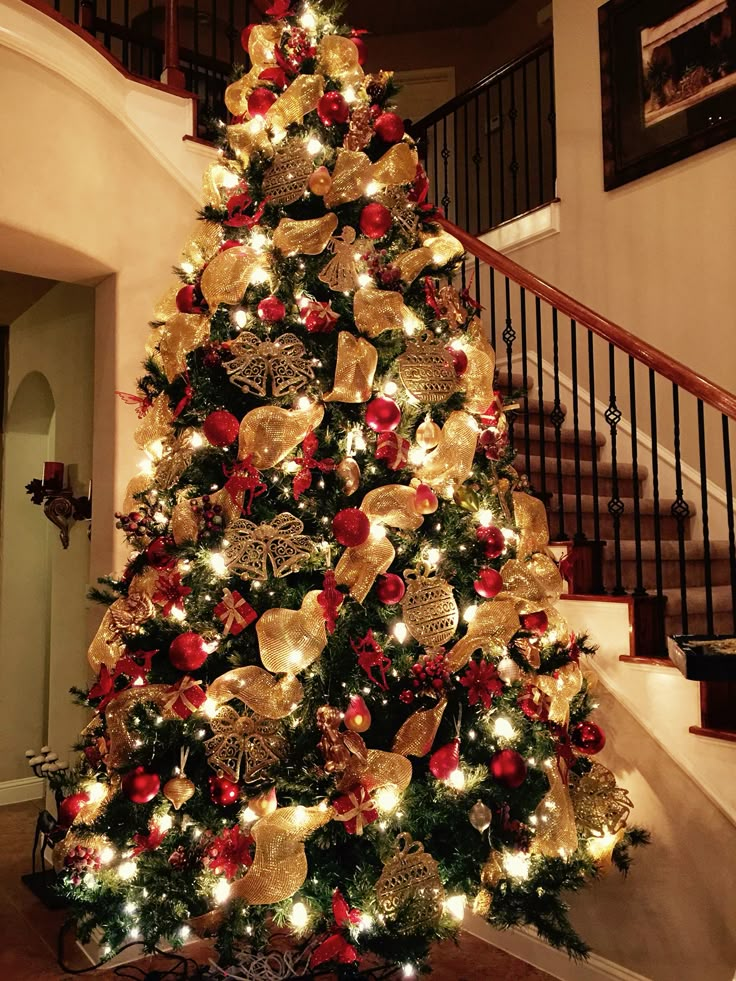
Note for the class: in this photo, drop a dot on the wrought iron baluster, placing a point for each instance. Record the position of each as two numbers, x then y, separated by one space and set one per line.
540 396
639 590
706 530
524 370
579 534
466 168
445 201
508 337
477 160
501 165
598 586
616 506
552 118
108 19
232 31
540 129
680 509
492 303
152 69
655 481
557 418
490 157
525 113
514 164
729 514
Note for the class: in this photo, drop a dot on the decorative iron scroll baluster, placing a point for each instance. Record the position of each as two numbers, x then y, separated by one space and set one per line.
655 480
508 337
557 418
445 199
680 509
492 303
616 506
593 442
579 534
639 588
729 514
525 102
705 529
524 374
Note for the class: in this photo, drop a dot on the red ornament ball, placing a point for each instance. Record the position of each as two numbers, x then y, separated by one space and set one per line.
508 768
444 761
231 243
535 623
69 807
382 414
221 427
459 359
260 101
223 791
389 127
390 589
362 51
187 652
158 553
276 76
140 785
493 540
488 584
588 738
186 299
375 220
332 108
271 309
351 527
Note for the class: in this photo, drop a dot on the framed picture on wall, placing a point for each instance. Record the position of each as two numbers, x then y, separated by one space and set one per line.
668 82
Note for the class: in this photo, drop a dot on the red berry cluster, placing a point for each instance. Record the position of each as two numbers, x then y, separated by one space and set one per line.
209 514
80 860
431 677
212 354
382 270
134 523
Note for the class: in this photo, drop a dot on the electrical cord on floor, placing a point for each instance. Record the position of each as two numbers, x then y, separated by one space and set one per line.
182 968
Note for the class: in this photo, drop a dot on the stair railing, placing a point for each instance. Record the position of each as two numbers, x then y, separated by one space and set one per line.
490 152
629 446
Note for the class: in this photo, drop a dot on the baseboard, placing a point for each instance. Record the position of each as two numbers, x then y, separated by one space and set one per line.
15 791
522 942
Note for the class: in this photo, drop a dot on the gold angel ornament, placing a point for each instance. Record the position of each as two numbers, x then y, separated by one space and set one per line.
340 273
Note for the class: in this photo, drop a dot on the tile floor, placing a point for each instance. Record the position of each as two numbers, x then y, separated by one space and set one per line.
29 931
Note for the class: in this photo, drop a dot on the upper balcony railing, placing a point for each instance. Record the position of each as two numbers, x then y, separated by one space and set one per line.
490 152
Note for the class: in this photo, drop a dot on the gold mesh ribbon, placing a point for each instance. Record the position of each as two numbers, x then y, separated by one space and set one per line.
416 735
229 274
350 178
358 567
290 640
183 333
601 808
205 240
279 866
263 39
544 569
382 770
308 237
411 263
136 485
452 458
478 378
166 306
121 617
392 505
338 58
249 138
156 423
444 247
556 835
519 581
258 690
561 688
300 98
268 433
118 711
398 165
354 371
378 310
184 522
490 630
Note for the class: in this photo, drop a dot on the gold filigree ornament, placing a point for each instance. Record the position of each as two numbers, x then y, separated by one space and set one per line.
286 179
427 370
341 273
242 746
283 360
403 214
429 608
177 454
251 547
410 883
601 808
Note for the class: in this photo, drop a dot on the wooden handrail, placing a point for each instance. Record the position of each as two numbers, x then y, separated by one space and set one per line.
676 372
463 97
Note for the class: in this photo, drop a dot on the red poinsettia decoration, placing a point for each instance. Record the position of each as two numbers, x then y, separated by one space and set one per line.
170 593
337 947
308 462
356 809
482 681
150 841
128 666
238 208
230 851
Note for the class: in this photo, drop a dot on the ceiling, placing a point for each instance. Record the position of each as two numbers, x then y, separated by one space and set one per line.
408 16
18 293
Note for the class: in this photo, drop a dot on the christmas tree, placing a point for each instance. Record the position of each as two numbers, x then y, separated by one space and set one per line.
332 690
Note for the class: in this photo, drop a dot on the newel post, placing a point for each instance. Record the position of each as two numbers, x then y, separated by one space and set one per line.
172 74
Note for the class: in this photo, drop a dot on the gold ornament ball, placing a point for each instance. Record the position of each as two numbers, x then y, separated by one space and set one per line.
467 498
320 181
428 434
479 816
178 790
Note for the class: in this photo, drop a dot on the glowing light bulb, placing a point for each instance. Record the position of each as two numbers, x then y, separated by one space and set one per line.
372 188
257 124
218 563
455 906
503 728
300 814
516 864
221 891
228 178
400 632
365 922
258 240
196 440
484 517
304 403
299 916
378 532
127 870
348 93
107 855
146 467
408 971
210 707
364 279
260 275
456 779
417 455
390 388
433 556
470 613
165 822
307 20
95 790
184 931
240 317
314 146
386 799
187 267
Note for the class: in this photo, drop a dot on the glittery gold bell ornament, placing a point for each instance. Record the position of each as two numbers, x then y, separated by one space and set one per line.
410 876
479 816
428 434
429 608
320 181
179 788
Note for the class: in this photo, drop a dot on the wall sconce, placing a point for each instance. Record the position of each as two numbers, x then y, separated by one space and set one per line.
60 505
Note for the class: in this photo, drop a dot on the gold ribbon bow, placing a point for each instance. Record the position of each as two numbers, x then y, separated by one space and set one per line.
356 365
358 567
156 423
121 616
258 690
556 835
338 57
392 505
252 546
300 98
478 378
290 640
181 334
254 361
261 43
561 687
416 735
378 310
229 274
452 458
443 246
411 263
118 712
269 433
309 237
490 630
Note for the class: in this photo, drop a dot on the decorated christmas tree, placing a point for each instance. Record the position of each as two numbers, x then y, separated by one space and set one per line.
333 694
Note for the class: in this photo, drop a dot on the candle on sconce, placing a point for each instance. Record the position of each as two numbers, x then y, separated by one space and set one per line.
53 476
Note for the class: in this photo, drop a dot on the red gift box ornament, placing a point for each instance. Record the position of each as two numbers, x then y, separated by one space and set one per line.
185 697
235 612
356 810
392 448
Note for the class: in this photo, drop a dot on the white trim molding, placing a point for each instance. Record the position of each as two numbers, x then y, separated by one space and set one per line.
524 230
15 791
